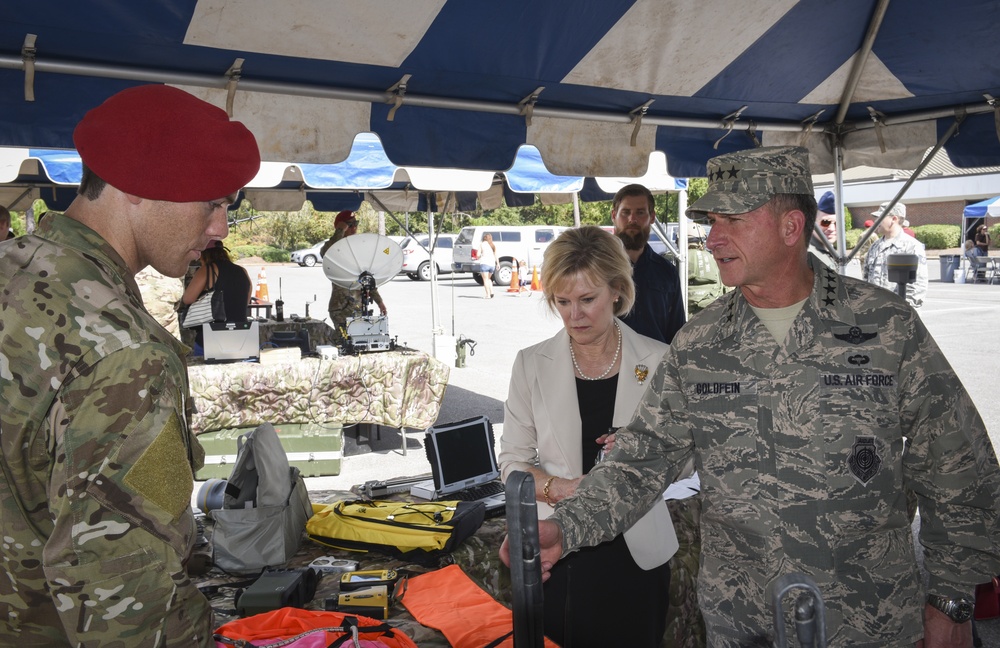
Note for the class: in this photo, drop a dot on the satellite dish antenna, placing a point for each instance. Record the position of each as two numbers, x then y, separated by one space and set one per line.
363 262
353 259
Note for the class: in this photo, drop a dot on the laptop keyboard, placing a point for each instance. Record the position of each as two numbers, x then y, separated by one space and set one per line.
473 493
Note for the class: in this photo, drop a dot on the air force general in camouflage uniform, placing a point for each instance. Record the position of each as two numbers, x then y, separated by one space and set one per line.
800 443
895 241
97 455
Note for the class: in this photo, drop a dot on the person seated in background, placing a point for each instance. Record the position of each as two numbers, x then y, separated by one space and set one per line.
218 272
982 241
567 396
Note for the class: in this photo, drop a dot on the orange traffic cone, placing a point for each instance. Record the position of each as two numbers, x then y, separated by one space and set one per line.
261 292
515 283
536 283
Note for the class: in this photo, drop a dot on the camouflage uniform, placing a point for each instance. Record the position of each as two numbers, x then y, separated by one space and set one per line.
800 448
345 304
876 268
98 460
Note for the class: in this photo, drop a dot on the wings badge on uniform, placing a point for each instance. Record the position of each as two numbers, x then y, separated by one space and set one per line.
855 334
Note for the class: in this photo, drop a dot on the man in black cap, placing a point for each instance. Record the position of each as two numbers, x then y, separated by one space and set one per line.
98 455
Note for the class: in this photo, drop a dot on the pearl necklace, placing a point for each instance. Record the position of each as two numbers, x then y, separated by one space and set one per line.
572 355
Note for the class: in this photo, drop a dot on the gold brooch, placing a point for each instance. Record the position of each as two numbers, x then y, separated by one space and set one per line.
641 371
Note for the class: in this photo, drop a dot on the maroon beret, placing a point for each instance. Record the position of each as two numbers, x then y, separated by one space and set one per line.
161 143
345 216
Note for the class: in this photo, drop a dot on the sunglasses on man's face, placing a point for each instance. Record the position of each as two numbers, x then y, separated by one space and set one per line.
826 222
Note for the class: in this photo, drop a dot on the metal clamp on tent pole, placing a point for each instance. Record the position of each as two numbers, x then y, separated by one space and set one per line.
234 73
528 104
996 112
28 52
807 126
637 115
752 133
398 89
879 119
728 122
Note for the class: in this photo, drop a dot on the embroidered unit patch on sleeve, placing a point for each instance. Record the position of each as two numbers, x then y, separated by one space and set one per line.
163 473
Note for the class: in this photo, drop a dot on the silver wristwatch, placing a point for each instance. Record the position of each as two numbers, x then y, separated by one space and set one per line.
958 610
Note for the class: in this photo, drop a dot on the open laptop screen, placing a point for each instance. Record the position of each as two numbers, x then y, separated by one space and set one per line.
462 454
231 342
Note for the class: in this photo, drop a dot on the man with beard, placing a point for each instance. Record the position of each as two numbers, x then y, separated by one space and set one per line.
659 310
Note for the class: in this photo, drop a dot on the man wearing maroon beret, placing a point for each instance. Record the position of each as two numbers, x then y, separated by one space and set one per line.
98 457
345 224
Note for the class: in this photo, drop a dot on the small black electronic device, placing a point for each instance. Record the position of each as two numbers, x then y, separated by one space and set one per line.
357 580
279 310
278 588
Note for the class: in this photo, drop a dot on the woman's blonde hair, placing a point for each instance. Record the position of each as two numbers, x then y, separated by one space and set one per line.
598 254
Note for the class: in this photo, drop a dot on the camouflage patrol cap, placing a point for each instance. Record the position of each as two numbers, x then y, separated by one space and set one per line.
743 181
898 210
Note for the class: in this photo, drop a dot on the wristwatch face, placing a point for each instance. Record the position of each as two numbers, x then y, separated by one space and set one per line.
961 611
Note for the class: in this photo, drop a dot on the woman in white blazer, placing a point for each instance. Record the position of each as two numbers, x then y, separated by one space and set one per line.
567 395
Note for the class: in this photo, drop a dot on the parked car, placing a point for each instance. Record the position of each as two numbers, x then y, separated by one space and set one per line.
309 256
513 243
416 261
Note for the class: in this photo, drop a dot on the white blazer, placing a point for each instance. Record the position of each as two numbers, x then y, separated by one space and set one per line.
542 426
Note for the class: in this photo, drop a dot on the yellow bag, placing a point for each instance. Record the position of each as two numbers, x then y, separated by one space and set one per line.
409 530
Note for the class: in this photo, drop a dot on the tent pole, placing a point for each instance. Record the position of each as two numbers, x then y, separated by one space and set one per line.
218 82
435 326
682 251
576 209
838 206
860 58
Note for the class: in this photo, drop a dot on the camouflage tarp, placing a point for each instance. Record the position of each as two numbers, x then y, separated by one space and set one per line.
393 388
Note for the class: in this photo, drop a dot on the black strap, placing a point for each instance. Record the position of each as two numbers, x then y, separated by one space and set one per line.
211 278
499 640
350 621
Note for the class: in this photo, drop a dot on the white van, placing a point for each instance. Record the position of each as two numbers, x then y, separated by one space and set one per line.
513 243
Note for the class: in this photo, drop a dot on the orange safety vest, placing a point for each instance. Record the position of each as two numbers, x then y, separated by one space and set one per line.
448 600
288 623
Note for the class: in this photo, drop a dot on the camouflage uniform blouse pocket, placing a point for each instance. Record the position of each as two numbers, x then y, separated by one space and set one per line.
723 418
